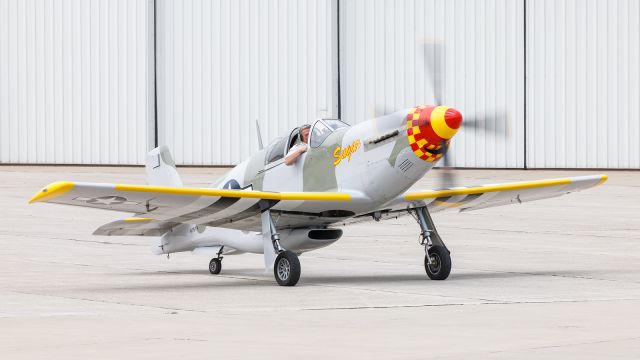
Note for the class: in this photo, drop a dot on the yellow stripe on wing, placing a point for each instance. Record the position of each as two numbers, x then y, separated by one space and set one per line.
52 190
137 219
59 188
494 188
319 196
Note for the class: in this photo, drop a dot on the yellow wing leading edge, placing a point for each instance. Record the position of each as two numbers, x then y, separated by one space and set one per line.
60 188
428 194
158 208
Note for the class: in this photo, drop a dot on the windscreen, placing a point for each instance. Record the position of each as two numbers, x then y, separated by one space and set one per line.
322 129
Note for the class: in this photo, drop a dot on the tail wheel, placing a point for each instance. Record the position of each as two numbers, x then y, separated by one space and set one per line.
287 269
440 266
215 265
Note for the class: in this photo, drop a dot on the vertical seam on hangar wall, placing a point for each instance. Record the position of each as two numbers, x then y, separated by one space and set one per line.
152 78
155 78
338 60
524 59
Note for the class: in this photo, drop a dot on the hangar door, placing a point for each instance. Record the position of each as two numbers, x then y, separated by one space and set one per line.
583 84
222 64
73 81
383 45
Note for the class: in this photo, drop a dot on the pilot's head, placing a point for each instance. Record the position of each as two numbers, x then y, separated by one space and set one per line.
304 133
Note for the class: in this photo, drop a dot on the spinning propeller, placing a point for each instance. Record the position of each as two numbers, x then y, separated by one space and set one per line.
433 54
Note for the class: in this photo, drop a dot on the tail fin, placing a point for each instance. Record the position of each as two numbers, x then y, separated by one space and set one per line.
260 146
161 169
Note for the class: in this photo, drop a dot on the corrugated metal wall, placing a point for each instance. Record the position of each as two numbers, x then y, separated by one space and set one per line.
73 81
583 83
382 65
223 64
75 85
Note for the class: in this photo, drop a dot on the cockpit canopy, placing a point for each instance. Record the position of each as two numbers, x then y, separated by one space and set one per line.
320 130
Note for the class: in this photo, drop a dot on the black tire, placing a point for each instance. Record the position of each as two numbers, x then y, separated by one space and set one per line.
215 265
286 269
440 263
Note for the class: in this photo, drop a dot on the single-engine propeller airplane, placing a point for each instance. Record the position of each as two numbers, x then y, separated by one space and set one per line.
348 174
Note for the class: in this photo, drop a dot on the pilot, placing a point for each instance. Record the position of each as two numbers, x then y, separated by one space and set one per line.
301 147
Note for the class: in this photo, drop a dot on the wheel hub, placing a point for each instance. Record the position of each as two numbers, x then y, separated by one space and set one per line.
435 263
284 269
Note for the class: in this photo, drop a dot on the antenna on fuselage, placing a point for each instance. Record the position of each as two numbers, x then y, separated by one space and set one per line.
260 146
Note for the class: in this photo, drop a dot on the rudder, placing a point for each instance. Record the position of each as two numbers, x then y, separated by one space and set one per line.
161 169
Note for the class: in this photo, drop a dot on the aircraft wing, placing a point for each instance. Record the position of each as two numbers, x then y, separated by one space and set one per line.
484 196
159 208
135 226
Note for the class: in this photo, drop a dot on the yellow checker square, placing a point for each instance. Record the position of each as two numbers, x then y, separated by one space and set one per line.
431 147
416 130
422 143
416 116
412 139
412 110
419 152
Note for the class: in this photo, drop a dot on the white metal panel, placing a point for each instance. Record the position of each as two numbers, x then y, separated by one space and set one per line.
73 79
583 84
382 65
222 64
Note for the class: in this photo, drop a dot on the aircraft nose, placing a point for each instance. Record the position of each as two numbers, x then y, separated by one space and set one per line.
430 129
445 121
453 118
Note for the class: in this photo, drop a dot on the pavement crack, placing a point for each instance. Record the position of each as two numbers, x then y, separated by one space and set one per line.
398 292
364 307
108 302
604 341
553 275
542 232
29 236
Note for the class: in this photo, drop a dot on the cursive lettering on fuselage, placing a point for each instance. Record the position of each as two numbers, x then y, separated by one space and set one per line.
341 153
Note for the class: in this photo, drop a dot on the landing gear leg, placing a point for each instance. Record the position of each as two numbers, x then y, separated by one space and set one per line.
286 266
215 265
437 259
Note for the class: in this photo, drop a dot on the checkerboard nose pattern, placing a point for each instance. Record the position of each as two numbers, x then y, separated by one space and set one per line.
429 128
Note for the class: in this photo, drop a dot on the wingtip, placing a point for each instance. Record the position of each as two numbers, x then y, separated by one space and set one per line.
51 191
603 178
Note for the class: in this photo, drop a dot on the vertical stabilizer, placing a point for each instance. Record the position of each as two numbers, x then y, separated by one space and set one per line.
161 169
260 145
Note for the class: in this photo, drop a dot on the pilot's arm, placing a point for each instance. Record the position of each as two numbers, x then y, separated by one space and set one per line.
294 153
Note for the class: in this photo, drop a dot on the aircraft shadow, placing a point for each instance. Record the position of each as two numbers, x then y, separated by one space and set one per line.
453 278
256 277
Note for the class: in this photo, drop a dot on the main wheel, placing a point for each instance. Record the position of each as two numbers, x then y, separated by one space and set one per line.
440 263
287 269
215 265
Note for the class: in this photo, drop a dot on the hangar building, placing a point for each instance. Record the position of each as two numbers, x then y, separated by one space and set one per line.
103 81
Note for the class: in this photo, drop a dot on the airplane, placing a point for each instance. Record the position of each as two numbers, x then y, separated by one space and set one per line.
350 174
